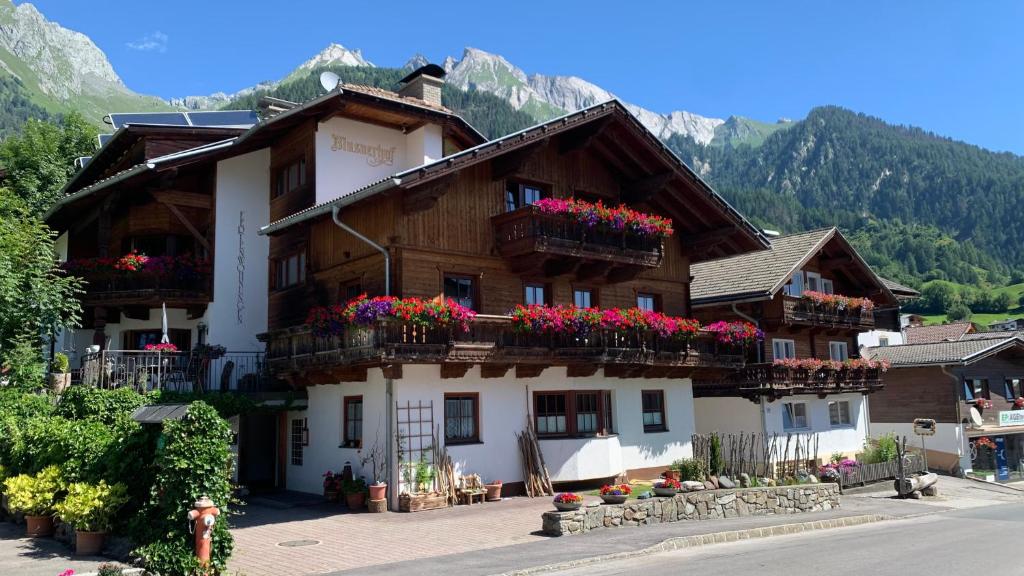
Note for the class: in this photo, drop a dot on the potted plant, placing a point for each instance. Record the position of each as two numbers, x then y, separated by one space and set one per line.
34 496
667 487
355 493
1018 404
982 404
89 509
332 486
616 494
567 501
672 473
493 491
60 378
375 458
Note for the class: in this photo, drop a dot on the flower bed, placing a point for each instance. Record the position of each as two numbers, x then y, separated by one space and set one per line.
597 214
364 311
571 320
838 301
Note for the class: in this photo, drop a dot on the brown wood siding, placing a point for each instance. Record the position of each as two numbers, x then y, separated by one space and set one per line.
911 393
297 143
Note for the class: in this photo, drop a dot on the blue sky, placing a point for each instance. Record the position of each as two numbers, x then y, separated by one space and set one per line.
954 68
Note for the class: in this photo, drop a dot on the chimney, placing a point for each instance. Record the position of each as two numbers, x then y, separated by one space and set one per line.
424 83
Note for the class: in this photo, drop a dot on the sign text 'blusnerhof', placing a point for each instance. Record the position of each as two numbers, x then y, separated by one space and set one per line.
376 154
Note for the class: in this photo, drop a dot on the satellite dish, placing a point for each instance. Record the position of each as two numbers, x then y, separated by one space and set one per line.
329 80
976 417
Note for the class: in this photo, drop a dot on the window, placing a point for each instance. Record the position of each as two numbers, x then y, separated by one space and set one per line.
838 351
139 339
298 440
462 289
353 422
975 388
460 418
291 176
827 287
653 410
518 195
576 413
535 294
648 302
583 297
349 290
290 271
782 349
1014 388
795 287
839 413
883 340
814 281
794 416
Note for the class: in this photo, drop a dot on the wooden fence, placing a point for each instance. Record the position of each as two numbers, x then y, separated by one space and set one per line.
868 473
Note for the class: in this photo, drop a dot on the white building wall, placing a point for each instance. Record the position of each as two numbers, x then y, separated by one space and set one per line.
243 185
351 154
949 443
424 145
726 416
873 338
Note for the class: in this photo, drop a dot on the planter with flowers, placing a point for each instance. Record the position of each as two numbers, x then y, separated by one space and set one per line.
737 334
1018 403
838 303
355 494
90 509
161 347
982 404
615 494
332 486
595 215
667 487
568 501
365 312
35 497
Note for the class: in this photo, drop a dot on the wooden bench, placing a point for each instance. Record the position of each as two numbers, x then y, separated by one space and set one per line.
471 489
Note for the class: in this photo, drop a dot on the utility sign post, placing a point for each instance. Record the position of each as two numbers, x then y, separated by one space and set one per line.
924 427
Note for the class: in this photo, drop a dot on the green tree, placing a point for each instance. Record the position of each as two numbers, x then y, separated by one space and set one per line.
36 297
41 159
958 311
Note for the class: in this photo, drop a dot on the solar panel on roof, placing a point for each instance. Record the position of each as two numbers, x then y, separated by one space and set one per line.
104 138
225 118
162 118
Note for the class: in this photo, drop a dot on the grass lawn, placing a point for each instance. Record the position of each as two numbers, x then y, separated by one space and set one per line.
1014 290
638 489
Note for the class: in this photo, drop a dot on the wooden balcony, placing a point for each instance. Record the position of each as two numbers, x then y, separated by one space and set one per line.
145 370
299 355
798 310
146 290
756 380
554 245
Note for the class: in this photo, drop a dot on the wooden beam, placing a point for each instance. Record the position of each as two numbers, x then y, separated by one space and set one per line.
704 240
454 369
642 190
392 371
529 370
182 198
581 137
581 370
528 263
425 197
835 261
591 270
188 225
624 274
559 266
491 370
513 161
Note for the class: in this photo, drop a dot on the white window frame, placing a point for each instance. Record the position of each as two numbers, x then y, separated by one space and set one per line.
835 345
827 286
789 408
795 286
788 348
816 277
883 341
837 421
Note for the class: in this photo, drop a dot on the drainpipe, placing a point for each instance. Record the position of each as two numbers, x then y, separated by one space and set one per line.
387 257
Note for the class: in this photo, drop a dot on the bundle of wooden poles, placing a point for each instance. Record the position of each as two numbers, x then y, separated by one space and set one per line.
444 471
535 471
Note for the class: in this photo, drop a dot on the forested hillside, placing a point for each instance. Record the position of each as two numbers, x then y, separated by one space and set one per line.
16 106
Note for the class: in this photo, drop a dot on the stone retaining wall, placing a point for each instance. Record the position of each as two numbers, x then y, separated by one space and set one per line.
701 505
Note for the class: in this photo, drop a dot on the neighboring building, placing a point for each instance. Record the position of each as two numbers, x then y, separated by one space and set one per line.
1008 325
944 381
937 332
777 289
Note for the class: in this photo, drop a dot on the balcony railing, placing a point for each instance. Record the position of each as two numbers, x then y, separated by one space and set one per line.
771 380
529 231
178 371
490 339
804 311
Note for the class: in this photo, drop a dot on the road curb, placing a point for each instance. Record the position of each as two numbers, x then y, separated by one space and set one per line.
696 541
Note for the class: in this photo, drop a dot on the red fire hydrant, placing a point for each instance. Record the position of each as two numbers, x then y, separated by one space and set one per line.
203 515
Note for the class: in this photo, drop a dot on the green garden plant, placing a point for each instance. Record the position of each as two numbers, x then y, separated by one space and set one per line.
691 469
881 450
715 456
34 495
91 507
60 363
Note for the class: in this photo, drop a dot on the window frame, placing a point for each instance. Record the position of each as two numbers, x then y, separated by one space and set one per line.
783 341
793 416
475 397
839 344
790 288
883 341
474 287
1014 387
591 291
545 286
653 428
816 278
653 296
849 414
602 410
828 286
280 266
345 292
520 193
970 395
298 440
346 441
281 171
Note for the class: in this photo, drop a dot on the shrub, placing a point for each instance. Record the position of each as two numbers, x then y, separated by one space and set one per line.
33 495
716 463
194 460
60 363
354 486
691 469
881 450
85 402
91 507
21 404
77 447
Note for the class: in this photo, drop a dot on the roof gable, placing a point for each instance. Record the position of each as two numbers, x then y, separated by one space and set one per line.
938 332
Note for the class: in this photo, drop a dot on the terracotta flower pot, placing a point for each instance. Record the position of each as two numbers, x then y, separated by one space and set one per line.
38 526
89 543
378 491
355 501
493 492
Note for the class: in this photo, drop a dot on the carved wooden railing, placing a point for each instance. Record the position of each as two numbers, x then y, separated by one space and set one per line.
490 339
774 381
805 311
528 230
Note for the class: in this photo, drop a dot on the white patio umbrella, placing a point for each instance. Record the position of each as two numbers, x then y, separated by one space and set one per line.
164 339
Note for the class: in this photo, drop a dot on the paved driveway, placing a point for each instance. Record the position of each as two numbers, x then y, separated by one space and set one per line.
38 556
324 538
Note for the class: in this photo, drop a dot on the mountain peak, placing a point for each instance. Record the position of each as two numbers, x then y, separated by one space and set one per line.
417 61
336 54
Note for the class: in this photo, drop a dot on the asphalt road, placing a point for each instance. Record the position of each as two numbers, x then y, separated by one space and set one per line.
971 541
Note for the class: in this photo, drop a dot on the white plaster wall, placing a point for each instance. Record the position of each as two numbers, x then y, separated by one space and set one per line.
846 439
871 338
339 171
424 145
726 416
243 183
60 247
324 419
949 438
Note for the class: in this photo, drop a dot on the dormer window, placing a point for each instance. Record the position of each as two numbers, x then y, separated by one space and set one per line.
519 194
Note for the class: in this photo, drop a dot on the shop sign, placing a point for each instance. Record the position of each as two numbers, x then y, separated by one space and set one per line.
1011 418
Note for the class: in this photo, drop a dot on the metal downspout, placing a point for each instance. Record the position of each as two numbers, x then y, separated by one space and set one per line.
387 256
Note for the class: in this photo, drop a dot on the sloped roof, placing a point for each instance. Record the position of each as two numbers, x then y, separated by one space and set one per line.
943 353
759 275
899 290
937 332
